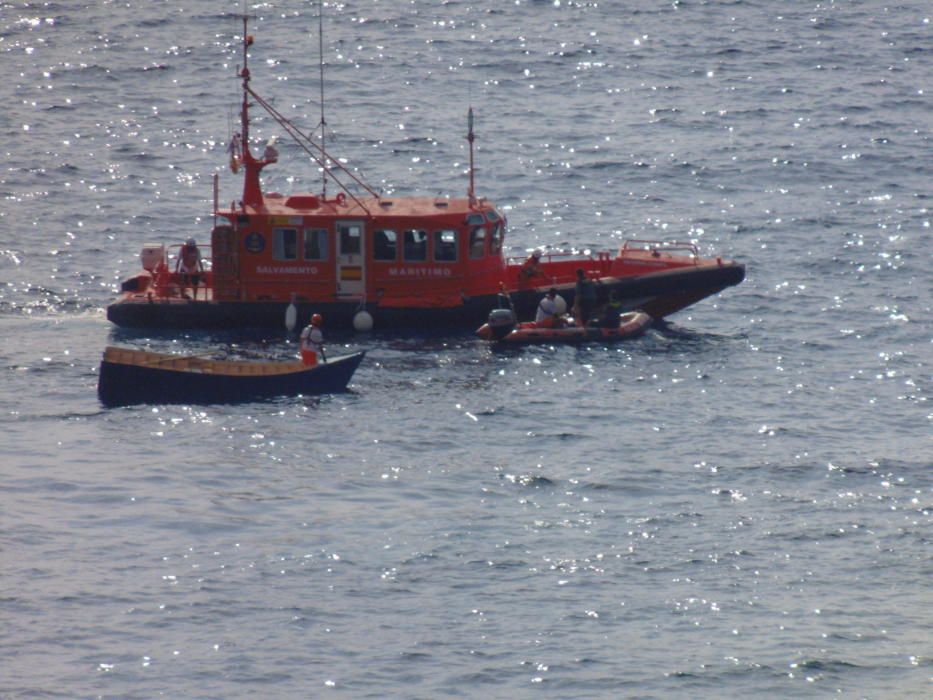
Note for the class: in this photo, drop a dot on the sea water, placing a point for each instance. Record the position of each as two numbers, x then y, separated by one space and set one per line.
737 503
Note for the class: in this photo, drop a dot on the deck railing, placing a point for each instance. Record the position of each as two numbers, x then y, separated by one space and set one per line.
657 247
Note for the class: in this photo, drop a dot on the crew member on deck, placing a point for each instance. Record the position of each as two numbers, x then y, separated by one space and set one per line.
190 266
547 316
530 268
312 341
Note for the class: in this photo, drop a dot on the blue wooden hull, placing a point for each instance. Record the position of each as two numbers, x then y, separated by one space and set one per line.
154 382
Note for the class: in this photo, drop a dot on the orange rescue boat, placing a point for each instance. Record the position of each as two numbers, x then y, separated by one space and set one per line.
365 260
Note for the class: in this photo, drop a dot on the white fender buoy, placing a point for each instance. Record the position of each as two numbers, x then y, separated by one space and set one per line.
291 315
560 304
363 321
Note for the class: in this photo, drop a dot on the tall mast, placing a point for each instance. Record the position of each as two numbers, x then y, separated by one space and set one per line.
320 43
244 73
252 191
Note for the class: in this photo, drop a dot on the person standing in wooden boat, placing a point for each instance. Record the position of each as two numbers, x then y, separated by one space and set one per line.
312 341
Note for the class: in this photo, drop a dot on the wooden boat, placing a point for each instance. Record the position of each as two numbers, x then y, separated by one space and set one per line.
501 327
364 260
130 376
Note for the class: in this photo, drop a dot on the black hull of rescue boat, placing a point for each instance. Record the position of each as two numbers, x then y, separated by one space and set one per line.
659 294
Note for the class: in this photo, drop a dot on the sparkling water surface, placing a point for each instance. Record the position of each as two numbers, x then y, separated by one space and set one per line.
737 503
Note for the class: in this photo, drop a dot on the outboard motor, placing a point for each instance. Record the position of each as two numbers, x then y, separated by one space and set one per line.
501 322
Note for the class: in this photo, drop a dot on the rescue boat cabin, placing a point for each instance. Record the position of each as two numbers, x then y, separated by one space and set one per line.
405 251
413 251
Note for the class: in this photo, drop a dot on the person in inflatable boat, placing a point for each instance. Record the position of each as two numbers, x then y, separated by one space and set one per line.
548 316
584 298
609 318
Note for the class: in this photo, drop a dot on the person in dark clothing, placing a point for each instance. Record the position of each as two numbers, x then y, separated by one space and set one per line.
584 297
611 312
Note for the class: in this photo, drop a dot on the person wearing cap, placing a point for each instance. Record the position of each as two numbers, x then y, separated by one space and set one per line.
547 316
312 341
530 268
190 266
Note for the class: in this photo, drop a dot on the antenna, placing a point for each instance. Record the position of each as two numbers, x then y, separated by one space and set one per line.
323 125
244 74
252 190
470 138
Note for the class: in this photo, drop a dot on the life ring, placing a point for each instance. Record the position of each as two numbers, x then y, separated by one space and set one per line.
341 199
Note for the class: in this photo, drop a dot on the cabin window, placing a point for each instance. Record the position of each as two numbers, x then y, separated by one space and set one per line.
385 245
315 244
495 241
492 216
477 242
415 245
445 246
474 219
285 243
350 239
